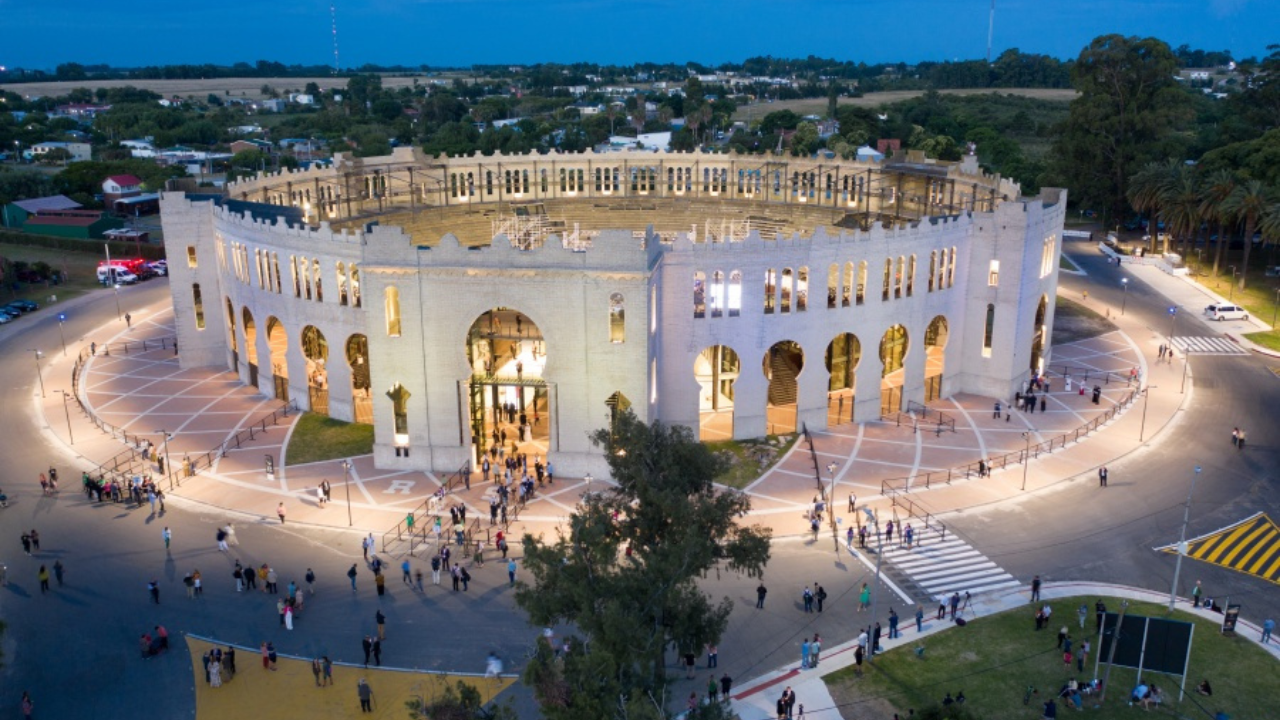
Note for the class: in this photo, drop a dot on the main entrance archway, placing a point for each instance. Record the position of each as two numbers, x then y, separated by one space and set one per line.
716 369
251 347
844 353
278 344
782 366
893 349
316 351
507 392
1037 340
935 345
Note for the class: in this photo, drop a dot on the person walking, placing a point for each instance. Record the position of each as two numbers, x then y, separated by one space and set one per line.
43 576
367 545
864 598
406 576
367 646
955 604
815 650
919 618
1196 593
1267 626
435 570
280 512
28 706
57 571
365 693
1035 588
726 683
352 575
804 654
153 587
316 670
1102 476
760 593
167 536
311 581
327 666
713 656
807 596
381 620
820 595
511 572
380 583
893 624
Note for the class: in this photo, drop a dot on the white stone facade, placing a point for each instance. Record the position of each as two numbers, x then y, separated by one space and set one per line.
664 234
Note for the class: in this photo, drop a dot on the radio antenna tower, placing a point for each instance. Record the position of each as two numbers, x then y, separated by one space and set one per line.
991 29
333 16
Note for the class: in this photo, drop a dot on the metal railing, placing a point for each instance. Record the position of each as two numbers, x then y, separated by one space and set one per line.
893 486
921 417
817 469
1085 376
126 461
420 522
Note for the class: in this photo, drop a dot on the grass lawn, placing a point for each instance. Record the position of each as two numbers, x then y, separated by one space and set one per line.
1269 339
1073 321
743 456
993 660
81 269
318 437
1066 263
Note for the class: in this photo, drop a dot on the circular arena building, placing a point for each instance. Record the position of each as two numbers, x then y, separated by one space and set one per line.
464 304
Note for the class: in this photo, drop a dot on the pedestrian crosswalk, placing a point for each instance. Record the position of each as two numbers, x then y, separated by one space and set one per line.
1207 345
949 566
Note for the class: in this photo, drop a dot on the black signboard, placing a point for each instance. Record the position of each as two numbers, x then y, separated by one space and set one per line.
1154 644
1229 619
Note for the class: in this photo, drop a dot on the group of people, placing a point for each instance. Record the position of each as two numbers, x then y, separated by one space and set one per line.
152 645
219 665
139 489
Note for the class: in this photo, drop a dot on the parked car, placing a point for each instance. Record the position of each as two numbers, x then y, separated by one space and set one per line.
10 313
159 267
5 319
25 306
1226 311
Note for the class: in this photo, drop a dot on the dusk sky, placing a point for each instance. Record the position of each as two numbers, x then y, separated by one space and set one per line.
462 32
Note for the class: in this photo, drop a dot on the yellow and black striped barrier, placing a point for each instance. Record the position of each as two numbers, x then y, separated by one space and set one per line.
1251 546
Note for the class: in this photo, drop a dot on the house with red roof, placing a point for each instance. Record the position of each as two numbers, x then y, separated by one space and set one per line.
119 187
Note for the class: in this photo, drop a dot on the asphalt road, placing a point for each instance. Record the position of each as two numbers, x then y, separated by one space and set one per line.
1084 532
75 648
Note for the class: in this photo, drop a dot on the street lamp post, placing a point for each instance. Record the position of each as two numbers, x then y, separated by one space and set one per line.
62 318
168 466
1026 457
1173 322
1124 282
66 396
1146 398
38 373
875 597
1182 541
346 474
116 288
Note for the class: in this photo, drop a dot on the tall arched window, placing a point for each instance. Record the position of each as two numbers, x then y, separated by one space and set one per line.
833 285
847 296
787 281
275 270
911 275
717 294
304 271
293 274
197 302
802 289
699 294
617 312
315 269
933 268
770 290
898 277
951 268
988 331
862 282
400 415
735 293
392 302
888 279
341 276
355 285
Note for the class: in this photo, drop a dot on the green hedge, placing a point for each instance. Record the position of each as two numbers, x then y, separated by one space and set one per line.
118 249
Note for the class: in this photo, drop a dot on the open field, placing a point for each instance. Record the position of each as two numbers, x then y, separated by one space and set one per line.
818 106
994 659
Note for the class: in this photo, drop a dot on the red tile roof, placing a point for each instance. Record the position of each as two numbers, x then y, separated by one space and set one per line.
125 180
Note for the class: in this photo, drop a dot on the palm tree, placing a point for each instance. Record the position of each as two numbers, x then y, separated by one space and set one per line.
1269 226
1249 201
1148 187
1181 201
1214 192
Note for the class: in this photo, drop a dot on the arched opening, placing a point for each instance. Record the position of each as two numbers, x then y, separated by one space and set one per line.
617 319
361 379
782 366
843 355
232 342
893 349
251 346
935 344
716 369
278 346
509 403
316 351
1037 340
400 419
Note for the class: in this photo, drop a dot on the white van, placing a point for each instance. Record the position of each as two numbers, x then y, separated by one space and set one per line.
115 275
1225 311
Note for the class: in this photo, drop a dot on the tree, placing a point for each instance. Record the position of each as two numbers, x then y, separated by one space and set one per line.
1214 191
626 574
1148 191
56 156
461 702
805 140
23 184
1182 206
1128 106
1248 202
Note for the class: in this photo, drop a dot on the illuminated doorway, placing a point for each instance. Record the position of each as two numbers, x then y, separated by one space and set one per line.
843 355
935 345
893 349
509 403
782 366
716 369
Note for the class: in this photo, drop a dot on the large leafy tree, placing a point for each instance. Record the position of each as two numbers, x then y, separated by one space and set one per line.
1248 203
1214 191
1149 190
626 574
1129 104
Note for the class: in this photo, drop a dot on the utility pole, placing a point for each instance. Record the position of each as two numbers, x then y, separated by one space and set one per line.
875 597
1182 541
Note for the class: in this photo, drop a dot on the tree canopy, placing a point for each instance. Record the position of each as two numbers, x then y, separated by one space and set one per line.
626 574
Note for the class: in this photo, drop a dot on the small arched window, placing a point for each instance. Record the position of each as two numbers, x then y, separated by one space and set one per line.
717 294
392 302
617 319
735 293
988 331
